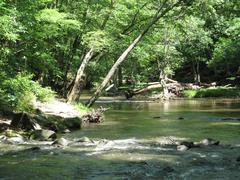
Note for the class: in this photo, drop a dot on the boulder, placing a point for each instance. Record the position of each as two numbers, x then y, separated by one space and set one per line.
58 123
43 135
24 121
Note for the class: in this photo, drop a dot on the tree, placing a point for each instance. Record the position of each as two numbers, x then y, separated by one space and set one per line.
194 44
162 10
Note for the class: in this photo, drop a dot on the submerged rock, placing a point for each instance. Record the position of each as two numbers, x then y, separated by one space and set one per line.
35 148
168 169
230 119
156 117
238 159
209 142
43 135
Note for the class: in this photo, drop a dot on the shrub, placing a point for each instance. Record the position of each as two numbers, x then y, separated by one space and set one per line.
20 92
213 92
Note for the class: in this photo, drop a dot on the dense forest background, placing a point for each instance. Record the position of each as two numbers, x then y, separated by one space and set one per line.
69 45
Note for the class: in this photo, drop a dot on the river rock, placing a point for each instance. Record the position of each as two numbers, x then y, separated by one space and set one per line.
209 142
2 138
182 148
189 144
43 135
62 142
84 139
15 140
66 131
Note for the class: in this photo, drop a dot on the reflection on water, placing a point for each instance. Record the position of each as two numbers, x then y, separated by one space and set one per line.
137 130
194 119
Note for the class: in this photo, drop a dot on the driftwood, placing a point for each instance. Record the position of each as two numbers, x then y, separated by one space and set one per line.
95 116
173 86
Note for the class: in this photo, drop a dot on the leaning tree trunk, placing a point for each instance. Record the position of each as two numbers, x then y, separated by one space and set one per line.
112 71
75 91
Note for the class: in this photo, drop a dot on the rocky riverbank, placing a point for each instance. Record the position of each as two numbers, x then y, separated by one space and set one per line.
49 120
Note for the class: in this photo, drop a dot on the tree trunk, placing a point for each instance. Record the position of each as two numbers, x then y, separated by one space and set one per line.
120 76
154 20
196 72
75 91
163 79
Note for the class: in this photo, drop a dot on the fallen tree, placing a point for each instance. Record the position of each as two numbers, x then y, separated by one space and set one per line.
172 86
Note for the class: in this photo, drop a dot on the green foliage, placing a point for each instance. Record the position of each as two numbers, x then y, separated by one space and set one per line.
82 108
213 92
20 92
49 38
96 40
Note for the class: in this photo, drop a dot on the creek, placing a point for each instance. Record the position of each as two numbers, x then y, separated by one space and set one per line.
135 142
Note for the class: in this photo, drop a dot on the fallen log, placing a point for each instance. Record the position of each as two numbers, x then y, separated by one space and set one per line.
173 86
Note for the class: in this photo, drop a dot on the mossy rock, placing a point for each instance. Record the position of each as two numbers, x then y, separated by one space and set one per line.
58 123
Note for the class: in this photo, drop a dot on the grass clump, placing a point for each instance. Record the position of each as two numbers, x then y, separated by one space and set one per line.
227 92
82 108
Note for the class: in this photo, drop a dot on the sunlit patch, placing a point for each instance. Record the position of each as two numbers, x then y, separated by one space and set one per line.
225 123
138 157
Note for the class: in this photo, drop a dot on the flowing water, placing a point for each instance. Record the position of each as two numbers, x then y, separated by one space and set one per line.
134 142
